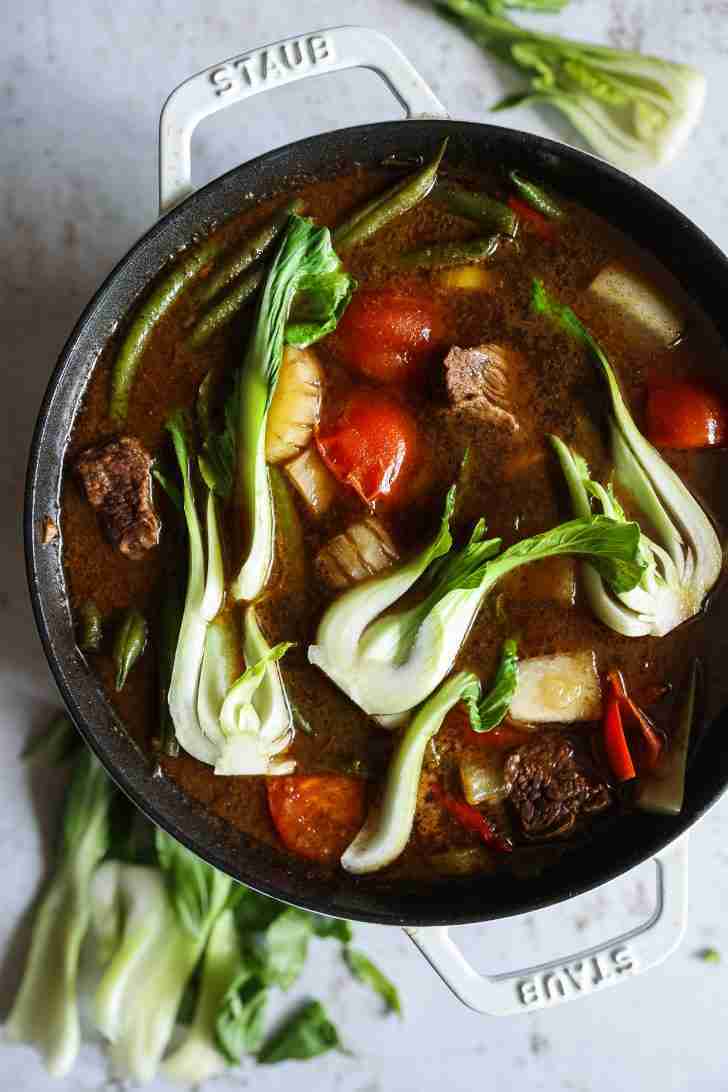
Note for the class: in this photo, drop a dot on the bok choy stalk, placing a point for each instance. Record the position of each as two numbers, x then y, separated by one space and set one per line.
390 664
203 601
232 721
198 1057
684 559
154 924
45 1011
388 828
634 109
305 294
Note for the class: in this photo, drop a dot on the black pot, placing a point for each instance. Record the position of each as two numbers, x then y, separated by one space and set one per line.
630 206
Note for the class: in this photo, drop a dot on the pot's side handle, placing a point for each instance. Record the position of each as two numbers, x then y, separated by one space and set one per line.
282 62
570 978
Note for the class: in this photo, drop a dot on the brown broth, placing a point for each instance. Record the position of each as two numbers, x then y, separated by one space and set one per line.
515 485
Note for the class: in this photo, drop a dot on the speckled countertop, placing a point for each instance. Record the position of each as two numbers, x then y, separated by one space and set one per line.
81 85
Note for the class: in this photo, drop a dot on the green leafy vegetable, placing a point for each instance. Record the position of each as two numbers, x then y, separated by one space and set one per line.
203 601
45 1011
388 827
240 1025
55 744
334 928
217 459
153 924
286 947
197 890
308 1033
634 109
305 280
684 559
203 1052
390 661
362 968
488 713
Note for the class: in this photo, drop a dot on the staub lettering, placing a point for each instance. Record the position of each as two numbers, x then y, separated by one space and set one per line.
572 979
268 67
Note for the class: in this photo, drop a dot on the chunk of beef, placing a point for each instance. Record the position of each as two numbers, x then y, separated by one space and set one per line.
116 478
484 381
551 783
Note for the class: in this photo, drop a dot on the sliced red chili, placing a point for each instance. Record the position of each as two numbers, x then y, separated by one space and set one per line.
470 818
615 742
646 743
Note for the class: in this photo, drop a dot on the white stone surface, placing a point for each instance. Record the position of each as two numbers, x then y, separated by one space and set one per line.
81 85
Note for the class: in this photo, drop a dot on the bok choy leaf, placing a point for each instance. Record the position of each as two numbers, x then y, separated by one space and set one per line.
308 285
684 559
390 662
634 109
388 827
488 713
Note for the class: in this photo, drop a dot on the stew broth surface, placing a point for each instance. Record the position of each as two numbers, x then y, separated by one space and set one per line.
512 481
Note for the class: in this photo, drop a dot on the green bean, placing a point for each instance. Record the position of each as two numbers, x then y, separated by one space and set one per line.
129 644
380 211
476 206
90 627
226 310
249 252
170 620
442 255
536 197
151 311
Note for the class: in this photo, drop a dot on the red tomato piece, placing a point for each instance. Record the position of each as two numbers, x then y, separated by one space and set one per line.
373 445
536 220
316 816
388 335
686 413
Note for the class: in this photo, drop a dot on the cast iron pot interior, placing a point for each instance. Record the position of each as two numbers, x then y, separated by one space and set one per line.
693 259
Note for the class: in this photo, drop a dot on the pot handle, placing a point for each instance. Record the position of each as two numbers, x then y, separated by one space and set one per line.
561 980
259 70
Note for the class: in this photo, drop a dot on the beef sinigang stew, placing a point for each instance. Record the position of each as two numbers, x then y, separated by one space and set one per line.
390 559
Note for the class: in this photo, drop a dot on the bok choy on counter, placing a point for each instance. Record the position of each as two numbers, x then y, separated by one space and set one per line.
172 943
632 108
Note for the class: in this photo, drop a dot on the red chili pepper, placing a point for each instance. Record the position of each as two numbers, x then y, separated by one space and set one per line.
543 227
470 818
615 743
647 744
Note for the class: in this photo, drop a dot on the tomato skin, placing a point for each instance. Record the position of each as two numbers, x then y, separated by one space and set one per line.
373 445
686 413
316 816
546 229
388 336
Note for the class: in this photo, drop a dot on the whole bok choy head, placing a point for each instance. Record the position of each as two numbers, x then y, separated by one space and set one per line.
45 1011
226 696
634 109
305 294
684 559
390 661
